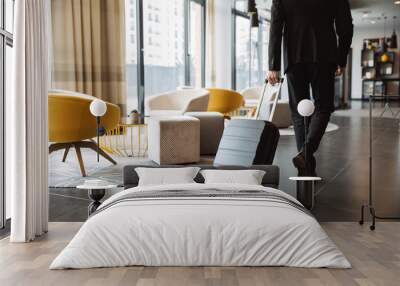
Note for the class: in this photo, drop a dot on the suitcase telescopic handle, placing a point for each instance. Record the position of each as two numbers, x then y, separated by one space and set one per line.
275 100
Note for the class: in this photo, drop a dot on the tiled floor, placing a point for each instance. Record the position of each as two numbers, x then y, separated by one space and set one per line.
342 162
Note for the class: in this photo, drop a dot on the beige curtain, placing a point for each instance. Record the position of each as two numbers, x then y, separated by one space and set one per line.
88 48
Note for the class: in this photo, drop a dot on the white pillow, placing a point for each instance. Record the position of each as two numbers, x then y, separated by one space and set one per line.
246 177
166 176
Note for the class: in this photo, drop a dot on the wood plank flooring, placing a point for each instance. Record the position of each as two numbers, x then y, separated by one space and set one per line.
375 257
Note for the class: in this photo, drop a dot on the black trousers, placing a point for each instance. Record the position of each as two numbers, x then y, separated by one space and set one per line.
321 79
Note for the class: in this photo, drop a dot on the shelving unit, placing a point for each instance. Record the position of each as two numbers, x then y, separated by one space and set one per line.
380 71
377 88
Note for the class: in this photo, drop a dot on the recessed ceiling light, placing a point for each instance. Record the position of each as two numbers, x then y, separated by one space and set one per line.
373 22
397 2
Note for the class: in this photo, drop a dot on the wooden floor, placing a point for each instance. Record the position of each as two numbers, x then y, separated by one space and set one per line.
375 257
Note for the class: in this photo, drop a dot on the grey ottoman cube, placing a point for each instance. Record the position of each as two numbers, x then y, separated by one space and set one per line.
211 130
174 140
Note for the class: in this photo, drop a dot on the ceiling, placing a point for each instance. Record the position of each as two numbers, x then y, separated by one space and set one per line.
376 10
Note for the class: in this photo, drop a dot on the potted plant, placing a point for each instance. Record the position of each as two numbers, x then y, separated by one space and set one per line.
133 117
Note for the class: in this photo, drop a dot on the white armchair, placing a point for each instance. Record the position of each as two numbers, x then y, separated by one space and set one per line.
252 96
177 102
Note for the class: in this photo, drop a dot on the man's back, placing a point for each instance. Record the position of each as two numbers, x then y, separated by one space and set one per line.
310 28
317 39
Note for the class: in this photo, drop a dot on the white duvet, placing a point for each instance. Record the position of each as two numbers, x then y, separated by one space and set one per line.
200 232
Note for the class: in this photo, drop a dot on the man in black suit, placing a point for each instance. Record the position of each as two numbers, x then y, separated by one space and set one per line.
317 38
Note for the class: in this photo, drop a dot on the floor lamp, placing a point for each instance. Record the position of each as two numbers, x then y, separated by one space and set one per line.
98 108
306 109
305 185
370 205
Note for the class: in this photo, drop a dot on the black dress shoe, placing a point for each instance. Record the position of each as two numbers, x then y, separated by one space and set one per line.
305 169
299 161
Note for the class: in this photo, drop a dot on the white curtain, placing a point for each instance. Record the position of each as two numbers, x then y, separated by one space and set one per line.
26 118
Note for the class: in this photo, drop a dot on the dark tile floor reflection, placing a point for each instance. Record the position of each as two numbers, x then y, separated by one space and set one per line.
342 162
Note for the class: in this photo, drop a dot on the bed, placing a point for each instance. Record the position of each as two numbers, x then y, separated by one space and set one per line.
199 224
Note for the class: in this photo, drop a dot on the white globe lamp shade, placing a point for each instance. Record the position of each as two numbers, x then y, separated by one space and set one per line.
306 108
98 108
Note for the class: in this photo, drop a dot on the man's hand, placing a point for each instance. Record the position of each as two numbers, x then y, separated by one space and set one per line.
273 77
340 70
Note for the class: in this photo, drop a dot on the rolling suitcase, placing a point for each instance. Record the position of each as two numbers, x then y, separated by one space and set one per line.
247 142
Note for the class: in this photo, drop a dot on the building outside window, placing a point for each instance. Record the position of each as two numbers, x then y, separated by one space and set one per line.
250 49
242 52
131 55
195 44
165 65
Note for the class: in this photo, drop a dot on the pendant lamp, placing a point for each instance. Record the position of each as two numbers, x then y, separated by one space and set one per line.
384 56
254 20
393 38
251 7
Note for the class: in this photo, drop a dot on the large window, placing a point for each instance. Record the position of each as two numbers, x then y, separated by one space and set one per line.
242 53
164 47
264 26
6 43
250 49
196 44
131 56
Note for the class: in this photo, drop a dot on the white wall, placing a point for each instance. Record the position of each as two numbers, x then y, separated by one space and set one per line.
359 35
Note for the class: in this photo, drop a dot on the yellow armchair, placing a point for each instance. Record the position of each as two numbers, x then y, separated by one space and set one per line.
72 125
224 101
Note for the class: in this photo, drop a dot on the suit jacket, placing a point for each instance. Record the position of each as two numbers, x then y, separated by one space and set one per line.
314 31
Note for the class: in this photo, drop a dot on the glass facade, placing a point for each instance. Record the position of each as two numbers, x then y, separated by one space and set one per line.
6 62
196 40
131 56
9 15
250 49
171 35
242 54
164 45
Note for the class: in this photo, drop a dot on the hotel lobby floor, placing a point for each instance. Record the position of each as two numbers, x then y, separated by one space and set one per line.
342 162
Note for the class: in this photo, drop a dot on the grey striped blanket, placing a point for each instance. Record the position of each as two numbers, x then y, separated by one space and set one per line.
204 194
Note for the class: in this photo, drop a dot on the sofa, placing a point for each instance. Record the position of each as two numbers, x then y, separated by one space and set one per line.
177 102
